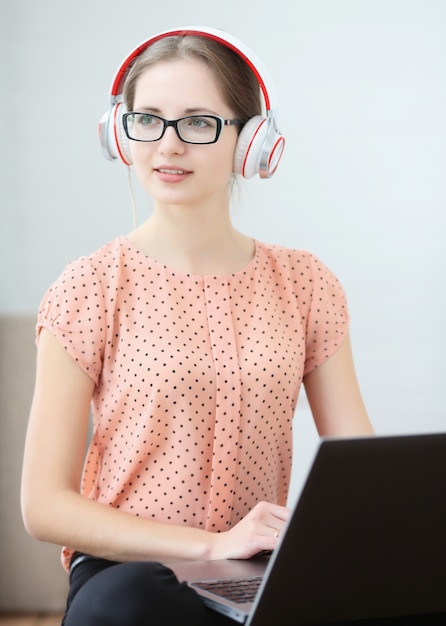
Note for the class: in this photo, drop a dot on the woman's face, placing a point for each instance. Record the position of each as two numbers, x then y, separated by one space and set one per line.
171 171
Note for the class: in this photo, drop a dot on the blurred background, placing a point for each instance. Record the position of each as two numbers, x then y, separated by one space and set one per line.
362 184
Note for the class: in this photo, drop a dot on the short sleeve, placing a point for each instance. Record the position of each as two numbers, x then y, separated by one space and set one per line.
73 311
328 318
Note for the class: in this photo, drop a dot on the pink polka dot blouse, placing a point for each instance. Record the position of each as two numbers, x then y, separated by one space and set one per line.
196 377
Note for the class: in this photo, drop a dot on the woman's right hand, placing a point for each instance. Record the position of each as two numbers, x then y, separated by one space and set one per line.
259 530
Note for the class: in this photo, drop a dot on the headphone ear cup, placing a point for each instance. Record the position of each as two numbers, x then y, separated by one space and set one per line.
122 140
249 147
114 141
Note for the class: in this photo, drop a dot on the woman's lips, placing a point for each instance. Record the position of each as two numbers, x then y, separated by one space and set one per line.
171 174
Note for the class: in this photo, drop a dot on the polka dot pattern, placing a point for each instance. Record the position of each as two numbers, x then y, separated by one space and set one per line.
197 377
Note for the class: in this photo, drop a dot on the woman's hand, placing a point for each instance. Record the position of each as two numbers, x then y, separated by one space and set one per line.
259 530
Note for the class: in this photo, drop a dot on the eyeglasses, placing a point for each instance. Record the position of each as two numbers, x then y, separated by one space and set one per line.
202 129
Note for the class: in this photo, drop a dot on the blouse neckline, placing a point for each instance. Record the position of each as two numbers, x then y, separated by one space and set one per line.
125 241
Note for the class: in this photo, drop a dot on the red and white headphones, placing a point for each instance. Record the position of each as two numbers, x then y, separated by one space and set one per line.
260 144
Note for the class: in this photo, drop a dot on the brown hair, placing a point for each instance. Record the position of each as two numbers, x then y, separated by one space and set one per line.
240 87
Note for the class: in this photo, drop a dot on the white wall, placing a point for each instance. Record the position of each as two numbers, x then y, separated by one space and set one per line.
362 184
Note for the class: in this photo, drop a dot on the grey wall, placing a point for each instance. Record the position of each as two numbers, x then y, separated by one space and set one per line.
362 183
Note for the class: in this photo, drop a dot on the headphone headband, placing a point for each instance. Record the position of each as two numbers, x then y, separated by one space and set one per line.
260 72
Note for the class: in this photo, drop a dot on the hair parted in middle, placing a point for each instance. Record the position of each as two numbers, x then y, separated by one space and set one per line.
238 84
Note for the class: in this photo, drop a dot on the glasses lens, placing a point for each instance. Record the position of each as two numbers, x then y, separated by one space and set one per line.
144 126
199 128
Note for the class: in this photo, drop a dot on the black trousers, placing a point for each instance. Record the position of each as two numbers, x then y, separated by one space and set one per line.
107 593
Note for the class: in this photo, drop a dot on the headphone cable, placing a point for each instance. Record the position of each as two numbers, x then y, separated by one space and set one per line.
132 197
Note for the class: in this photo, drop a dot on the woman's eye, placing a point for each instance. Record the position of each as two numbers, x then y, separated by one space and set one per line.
200 122
146 120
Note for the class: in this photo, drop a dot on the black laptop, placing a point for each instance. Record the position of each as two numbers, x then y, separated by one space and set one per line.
367 539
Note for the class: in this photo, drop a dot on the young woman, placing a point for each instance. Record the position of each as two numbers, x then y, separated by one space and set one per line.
189 341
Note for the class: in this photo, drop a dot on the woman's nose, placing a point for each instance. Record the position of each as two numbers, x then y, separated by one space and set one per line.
170 143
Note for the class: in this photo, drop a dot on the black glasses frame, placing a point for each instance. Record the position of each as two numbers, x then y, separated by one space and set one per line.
174 123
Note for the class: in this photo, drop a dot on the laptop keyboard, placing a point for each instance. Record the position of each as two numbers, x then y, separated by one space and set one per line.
237 590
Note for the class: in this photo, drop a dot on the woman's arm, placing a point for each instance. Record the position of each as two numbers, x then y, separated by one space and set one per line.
334 396
54 510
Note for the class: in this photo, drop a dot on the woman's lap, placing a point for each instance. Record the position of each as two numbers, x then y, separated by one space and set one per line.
106 593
